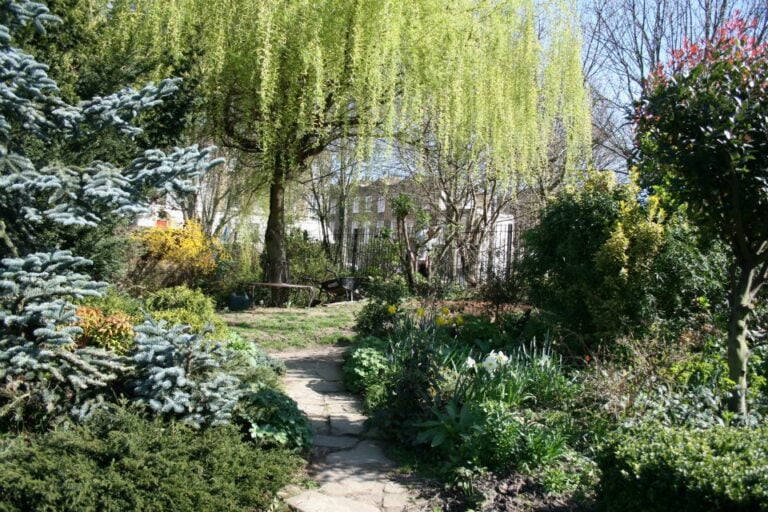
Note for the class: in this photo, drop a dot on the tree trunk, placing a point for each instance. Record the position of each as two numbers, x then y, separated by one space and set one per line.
274 241
406 254
738 348
341 243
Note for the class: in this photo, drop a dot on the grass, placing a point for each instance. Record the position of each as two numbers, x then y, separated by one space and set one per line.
277 329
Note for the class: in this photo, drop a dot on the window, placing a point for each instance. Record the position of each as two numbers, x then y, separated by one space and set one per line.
356 205
379 225
382 204
368 202
353 227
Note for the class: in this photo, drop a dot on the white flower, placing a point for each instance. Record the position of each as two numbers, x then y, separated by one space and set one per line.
502 358
471 363
491 362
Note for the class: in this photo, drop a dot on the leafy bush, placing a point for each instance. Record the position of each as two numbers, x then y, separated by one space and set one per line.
112 332
387 291
604 262
365 364
120 461
273 419
659 469
246 356
504 289
182 305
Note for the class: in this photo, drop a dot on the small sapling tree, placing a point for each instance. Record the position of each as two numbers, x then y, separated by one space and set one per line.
702 127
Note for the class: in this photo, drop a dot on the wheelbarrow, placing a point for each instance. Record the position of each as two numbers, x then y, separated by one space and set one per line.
346 286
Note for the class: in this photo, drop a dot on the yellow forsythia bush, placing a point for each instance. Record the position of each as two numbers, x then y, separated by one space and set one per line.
174 256
112 332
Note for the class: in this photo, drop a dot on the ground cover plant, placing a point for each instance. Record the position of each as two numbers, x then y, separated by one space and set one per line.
123 461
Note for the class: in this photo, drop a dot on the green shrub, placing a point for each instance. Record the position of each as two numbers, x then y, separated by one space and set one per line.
114 302
660 469
504 289
309 262
251 364
377 316
119 461
603 263
273 419
181 297
498 446
387 291
182 305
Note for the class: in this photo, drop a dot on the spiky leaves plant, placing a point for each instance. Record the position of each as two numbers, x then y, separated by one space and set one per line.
178 374
41 371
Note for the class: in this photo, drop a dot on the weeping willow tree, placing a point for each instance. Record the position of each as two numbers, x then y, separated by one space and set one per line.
286 78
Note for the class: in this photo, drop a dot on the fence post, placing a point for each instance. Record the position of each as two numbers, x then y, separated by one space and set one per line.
355 239
510 234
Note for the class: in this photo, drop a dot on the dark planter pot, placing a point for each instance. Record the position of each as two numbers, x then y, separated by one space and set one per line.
238 301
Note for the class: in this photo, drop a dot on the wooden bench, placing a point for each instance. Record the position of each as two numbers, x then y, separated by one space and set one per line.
312 292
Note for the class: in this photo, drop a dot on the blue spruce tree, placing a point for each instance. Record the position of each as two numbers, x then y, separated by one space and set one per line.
43 375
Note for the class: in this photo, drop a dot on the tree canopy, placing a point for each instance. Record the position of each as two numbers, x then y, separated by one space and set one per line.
286 77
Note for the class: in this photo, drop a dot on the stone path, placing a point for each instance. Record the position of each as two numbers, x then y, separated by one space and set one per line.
348 465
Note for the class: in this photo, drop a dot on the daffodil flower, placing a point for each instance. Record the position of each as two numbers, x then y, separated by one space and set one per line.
490 363
392 309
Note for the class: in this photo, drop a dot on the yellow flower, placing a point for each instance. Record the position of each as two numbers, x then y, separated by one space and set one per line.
392 309
441 320
444 310
420 312
459 320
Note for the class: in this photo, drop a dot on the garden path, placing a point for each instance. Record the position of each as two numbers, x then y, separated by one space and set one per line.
349 466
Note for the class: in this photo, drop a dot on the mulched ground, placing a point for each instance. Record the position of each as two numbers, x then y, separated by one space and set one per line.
512 493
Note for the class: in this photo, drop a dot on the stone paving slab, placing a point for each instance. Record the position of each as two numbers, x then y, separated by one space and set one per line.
340 442
313 501
353 472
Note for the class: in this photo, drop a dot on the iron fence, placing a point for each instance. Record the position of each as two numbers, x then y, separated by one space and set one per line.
461 258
